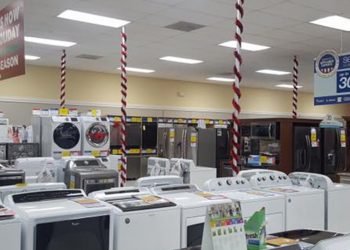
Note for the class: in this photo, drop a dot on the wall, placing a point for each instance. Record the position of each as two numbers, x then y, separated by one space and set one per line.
146 96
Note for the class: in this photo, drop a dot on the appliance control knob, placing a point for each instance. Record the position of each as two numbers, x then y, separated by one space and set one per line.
280 177
229 182
290 200
242 181
259 179
264 179
272 177
237 182
219 183
285 177
127 221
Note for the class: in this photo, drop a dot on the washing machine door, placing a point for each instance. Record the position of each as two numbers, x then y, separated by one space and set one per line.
97 135
66 135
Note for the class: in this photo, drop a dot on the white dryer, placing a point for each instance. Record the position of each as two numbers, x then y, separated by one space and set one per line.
10 229
61 136
38 169
304 206
337 202
141 218
95 136
194 205
239 189
62 219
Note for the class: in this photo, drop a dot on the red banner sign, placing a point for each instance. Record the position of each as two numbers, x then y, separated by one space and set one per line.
12 61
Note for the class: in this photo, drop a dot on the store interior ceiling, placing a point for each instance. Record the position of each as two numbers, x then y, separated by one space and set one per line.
283 25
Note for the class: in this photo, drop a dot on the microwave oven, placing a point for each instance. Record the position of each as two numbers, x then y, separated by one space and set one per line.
265 130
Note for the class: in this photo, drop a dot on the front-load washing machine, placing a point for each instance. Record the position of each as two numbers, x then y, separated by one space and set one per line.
61 136
95 136
31 187
337 204
62 219
239 189
194 205
304 205
10 229
38 169
141 219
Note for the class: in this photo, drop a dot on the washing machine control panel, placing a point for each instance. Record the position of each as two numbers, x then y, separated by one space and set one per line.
312 180
270 179
226 183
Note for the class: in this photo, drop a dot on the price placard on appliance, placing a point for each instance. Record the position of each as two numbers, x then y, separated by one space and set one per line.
63 112
332 78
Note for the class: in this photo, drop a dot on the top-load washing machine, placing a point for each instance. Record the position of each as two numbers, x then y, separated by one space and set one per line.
337 202
38 169
62 219
95 136
239 189
248 173
194 205
141 219
60 136
304 205
10 229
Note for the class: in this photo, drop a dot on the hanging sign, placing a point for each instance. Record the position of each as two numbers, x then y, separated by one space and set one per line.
12 62
332 78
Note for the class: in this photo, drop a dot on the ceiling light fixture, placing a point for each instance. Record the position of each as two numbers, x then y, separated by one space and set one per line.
273 72
51 42
180 60
245 46
334 22
31 58
139 70
220 79
93 19
287 86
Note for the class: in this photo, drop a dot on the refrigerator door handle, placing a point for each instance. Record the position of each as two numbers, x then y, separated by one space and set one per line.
338 151
308 153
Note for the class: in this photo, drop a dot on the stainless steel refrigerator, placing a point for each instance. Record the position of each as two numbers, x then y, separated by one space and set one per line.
186 142
165 140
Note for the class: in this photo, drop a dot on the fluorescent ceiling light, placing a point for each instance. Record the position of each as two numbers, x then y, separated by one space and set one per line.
335 22
93 19
221 79
273 72
287 86
245 46
51 42
31 58
180 60
138 70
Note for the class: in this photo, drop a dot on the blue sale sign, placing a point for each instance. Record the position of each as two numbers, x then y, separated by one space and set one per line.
332 78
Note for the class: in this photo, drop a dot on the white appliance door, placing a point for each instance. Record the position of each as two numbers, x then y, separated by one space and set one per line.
66 135
97 135
140 230
305 211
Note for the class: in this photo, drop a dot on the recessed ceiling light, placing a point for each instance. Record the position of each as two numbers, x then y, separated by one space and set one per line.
51 42
221 79
180 60
245 46
31 58
138 70
335 22
287 86
93 19
273 72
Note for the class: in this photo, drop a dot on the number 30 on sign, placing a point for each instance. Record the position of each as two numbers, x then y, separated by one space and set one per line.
343 81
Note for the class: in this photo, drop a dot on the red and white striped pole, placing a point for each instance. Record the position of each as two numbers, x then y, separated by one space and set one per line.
295 87
63 80
236 85
124 88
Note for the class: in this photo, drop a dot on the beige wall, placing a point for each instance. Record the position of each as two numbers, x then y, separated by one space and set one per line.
146 96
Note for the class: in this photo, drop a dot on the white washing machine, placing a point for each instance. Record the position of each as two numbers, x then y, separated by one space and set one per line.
38 169
239 189
31 187
337 202
60 136
10 229
141 219
194 204
304 205
247 174
154 181
95 136
158 166
62 219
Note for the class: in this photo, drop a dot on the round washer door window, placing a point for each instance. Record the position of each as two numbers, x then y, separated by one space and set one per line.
97 135
66 135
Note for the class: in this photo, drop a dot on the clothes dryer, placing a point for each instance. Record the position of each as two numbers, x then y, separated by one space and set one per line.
239 189
61 136
337 204
62 219
304 205
138 213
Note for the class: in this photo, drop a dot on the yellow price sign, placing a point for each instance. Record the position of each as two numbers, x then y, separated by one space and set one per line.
172 133
263 159
63 112
313 137
20 185
136 119
66 153
149 151
221 122
194 121
116 152
149 119
94 112
117 119
193 138
207 121
134 151
96 153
